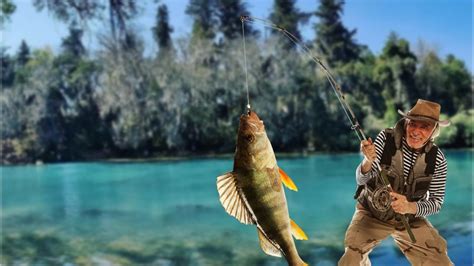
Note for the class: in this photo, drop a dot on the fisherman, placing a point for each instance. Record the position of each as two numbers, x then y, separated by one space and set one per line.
416 169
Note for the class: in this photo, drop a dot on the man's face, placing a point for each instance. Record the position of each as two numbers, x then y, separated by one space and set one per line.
418 132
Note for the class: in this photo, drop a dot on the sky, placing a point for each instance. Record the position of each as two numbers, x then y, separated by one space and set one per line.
445 25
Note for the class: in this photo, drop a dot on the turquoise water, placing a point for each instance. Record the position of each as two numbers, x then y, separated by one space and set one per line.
168 213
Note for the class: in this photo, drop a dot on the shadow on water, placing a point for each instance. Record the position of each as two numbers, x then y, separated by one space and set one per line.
50 249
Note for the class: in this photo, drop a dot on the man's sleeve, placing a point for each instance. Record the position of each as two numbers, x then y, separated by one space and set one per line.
362 179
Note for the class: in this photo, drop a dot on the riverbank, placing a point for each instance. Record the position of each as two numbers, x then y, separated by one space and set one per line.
182 156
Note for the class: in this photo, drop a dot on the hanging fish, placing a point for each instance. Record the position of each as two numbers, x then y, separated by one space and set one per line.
253 191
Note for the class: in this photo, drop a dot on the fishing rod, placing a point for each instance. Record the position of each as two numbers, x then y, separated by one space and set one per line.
382 193
355 125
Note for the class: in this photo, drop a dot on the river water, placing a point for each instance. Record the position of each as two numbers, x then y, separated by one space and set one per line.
168 213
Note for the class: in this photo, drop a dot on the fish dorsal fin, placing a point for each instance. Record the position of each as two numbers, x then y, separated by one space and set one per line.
287 180
297 232
268 246
232 199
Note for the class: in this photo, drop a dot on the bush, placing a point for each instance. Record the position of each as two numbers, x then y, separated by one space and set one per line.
461 131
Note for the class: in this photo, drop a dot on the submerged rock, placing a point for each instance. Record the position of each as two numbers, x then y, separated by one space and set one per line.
34 248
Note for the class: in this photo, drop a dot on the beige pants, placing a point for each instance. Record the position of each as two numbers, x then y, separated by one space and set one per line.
365 233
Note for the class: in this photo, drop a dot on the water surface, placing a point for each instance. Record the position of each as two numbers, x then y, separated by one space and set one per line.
168 213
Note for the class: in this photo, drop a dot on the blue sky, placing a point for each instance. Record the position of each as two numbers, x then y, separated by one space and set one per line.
445 25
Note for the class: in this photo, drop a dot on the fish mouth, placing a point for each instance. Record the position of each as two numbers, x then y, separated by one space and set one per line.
250 122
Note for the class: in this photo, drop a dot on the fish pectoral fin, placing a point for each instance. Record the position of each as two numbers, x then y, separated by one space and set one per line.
268 246
232 199
287 180
297 232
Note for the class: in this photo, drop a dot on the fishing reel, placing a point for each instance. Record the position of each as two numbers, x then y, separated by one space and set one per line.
381 199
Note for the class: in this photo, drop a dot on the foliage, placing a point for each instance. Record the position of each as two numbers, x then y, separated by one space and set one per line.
80 12
162 31
7 8
334 41
395 73
204 14
228 12
286 15
461 131
7 67
122 102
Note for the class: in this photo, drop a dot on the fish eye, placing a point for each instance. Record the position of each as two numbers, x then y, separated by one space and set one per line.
249 138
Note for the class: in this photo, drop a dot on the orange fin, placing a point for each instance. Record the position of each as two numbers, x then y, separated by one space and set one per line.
287 180
297 232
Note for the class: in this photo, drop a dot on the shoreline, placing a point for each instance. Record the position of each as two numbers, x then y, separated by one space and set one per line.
196 156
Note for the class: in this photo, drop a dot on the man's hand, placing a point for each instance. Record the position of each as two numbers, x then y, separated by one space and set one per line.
368 149
401 205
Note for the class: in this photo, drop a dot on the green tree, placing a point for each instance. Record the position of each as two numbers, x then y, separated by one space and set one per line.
23 55
72 11
120 13
162 31
8 68
395 73
126 101
24 108
7 8
228 13
286 15
203 13
72 127
430 77
79 12
448 82
458 85
333 39
72 44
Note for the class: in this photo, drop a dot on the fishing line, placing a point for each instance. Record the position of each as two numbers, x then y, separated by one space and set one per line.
245 64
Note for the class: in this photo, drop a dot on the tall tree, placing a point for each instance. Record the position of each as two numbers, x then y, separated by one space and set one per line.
229 12
430 77
333 39
287 16
162 30
395 73
71 11
72 44
7 67
79 12
458 85
23 55
73 112
21 59
204 14
120 12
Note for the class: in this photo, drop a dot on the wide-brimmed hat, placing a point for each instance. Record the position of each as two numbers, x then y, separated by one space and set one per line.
426 111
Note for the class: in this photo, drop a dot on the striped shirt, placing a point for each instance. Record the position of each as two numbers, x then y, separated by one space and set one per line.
434 197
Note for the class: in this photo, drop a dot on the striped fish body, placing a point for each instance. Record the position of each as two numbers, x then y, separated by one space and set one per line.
265 196
253 191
